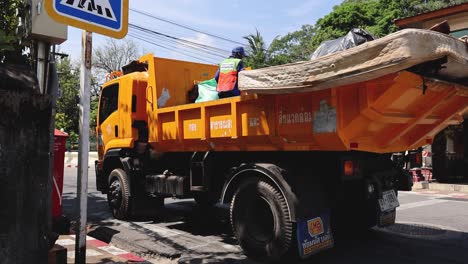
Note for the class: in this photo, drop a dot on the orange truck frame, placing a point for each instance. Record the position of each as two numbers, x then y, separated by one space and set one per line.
292 168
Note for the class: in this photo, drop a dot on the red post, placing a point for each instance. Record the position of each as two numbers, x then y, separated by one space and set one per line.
60 139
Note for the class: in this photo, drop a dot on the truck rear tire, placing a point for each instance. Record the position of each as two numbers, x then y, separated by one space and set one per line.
260 220
118 194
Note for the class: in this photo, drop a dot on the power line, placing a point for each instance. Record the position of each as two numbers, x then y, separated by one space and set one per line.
168 48
170 42
209 49
164 47
176 38
186 27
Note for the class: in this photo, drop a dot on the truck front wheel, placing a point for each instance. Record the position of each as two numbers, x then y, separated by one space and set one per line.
261 221
118 194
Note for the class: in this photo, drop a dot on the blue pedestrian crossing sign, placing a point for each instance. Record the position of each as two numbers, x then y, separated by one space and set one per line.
106 17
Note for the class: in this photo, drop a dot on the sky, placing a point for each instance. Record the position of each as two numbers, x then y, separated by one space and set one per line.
231 19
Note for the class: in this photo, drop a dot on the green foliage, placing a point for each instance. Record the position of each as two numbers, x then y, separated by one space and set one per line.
295 46
257 53
6 42
11 51
62 122
414 7
93 114
375 16
67 114
348 15
8 19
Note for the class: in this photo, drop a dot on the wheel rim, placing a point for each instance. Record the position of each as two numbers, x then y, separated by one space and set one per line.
115 194
261 224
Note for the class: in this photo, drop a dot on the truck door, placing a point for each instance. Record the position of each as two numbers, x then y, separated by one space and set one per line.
108 119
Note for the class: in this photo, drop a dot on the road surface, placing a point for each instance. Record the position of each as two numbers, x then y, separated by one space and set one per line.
432 228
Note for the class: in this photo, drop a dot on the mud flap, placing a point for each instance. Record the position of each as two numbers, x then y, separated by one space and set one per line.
386 218
314 234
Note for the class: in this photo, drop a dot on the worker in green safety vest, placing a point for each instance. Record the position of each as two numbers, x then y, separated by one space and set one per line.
227 74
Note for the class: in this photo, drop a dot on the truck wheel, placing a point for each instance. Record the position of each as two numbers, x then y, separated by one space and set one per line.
118 194
260 220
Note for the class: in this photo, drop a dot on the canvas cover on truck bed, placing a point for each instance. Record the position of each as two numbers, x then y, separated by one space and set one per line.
425 52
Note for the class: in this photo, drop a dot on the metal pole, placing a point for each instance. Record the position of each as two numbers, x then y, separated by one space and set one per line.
42 65
83 148
52 90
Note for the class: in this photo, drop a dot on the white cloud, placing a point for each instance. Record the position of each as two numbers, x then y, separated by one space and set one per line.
201 39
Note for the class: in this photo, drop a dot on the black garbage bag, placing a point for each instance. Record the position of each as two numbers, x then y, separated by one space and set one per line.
353 38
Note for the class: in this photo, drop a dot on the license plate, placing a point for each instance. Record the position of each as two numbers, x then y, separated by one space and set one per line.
389 201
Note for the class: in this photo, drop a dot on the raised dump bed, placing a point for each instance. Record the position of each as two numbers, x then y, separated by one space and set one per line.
388 114
357 99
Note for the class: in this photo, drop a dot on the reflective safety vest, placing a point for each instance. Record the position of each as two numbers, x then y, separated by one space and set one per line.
227 75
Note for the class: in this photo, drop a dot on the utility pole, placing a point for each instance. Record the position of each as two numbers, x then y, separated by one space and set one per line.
83 148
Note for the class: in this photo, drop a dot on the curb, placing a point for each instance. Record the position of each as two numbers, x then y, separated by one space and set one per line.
440 186
450 233
104 250
134 246
451 238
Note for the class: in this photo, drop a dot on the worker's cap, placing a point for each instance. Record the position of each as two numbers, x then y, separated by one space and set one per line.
239 50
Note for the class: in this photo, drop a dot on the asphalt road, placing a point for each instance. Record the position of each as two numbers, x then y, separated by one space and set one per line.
431 228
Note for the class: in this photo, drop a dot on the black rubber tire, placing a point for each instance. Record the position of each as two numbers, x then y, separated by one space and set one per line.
118 194
260 220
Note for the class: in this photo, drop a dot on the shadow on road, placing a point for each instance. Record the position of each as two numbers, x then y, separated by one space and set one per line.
195 235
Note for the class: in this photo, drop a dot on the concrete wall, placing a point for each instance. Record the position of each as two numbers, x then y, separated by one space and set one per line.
25 192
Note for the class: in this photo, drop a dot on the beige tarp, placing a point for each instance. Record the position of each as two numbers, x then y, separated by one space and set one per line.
389 54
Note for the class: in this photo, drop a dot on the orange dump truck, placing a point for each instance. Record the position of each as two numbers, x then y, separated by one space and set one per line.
298 156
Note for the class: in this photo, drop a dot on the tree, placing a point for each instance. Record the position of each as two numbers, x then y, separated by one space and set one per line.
376 16
295 46
111 57
67 112
115 54
349 14
11 37
257 52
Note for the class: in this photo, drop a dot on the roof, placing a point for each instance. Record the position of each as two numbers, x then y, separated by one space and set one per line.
451 10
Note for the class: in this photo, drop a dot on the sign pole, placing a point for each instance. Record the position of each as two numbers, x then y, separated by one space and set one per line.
83 149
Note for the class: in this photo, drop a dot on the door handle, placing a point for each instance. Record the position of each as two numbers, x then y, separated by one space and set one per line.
116 131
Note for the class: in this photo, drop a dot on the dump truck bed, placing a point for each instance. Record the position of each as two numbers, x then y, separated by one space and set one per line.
380 108
388 114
